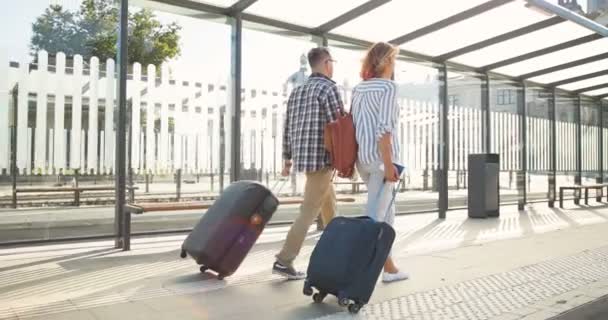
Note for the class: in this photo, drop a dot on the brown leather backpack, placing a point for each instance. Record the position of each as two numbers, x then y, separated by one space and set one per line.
341 143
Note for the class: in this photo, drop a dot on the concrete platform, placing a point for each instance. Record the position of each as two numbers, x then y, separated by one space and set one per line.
530 265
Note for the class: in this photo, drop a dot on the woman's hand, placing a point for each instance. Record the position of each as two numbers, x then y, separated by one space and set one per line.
391 173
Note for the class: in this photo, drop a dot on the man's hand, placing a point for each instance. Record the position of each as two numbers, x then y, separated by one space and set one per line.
286 168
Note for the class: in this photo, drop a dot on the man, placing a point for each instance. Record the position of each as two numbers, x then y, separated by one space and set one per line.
309 108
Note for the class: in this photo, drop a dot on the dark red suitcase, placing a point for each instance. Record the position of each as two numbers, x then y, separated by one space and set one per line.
229 229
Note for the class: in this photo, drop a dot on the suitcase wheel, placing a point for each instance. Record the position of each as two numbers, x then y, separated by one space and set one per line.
343 302
354 308
307 290
220 277
318 297
204 269
183 254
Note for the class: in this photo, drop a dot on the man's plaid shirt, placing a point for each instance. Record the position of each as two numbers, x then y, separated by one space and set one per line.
309 108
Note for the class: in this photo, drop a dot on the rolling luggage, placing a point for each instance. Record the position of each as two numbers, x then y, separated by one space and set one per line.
225 234
348 259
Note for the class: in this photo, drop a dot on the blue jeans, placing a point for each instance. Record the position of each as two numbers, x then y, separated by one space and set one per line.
379 193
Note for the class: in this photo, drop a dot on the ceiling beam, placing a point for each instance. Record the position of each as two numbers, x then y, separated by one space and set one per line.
579 78
569 15
349 16
563 66
540 52
591 88
240 6
500 38
276 23
486 6
601 96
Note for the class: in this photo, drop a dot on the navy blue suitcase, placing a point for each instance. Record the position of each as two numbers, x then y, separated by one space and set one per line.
348 259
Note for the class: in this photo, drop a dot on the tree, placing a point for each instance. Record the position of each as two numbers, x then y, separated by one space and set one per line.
92 31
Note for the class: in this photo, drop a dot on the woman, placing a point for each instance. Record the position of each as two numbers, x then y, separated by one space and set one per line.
375 113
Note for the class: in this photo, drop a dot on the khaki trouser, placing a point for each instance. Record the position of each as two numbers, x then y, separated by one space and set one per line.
319 195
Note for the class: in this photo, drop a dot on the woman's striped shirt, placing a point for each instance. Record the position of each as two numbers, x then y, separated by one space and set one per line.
375 113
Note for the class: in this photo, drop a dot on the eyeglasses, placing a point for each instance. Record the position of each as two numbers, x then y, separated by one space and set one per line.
331 60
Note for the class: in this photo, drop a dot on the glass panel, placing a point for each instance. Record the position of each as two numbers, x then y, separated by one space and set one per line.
572 72
419 135
585 83
180 111
566 124
265 93
481 27
45 53
309 13
346 72
530 42
505 124
605 138
397 18
556 58
590 131
538 143
597 92
465 118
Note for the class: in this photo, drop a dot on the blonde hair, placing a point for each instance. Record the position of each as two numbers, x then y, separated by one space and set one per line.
379 57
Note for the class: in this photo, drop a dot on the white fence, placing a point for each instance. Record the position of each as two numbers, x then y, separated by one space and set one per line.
72 89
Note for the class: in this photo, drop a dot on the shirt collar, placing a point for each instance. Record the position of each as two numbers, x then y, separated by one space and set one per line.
320 75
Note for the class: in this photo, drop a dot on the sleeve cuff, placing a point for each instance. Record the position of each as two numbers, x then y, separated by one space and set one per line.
382 130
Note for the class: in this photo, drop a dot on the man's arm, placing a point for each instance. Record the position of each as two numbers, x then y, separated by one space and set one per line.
287 154
286 131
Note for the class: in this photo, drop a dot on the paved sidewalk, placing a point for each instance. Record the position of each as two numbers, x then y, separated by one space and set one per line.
532 266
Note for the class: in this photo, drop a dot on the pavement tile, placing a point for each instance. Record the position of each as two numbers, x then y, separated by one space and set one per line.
540 315
70 315
507 316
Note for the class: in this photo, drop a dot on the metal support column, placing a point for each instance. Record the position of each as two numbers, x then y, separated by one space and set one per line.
579 135
131 190
236 77
601 142
485 107
523 147
600 155
324 41
14 149
122 221
553 173
444 142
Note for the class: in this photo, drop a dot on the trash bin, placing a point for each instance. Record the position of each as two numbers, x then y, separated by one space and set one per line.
483 192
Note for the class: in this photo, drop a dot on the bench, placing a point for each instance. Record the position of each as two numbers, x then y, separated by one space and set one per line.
141 208
577 192
76 190
355 185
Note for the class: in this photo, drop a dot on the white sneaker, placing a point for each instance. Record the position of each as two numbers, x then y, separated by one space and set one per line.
392 277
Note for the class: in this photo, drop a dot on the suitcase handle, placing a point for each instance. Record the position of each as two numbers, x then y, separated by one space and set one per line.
374 207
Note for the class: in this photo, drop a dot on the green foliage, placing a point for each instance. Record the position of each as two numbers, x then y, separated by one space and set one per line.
92 31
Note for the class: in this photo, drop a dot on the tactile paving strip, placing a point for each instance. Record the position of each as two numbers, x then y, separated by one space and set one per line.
490 296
